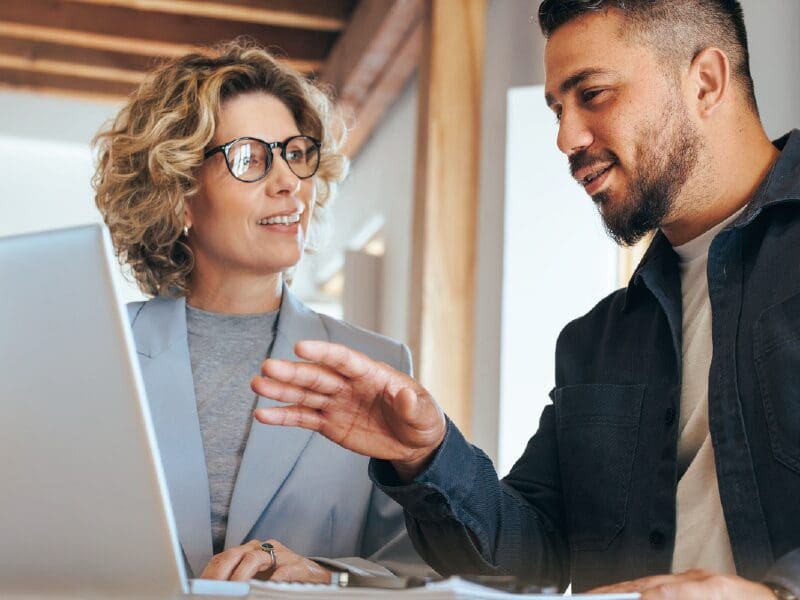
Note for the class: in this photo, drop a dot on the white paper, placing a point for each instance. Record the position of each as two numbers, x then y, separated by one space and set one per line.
453 588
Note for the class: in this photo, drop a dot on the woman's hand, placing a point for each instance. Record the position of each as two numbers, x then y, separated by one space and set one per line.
250 561
356 402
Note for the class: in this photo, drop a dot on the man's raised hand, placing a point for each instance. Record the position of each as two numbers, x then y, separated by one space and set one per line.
358 403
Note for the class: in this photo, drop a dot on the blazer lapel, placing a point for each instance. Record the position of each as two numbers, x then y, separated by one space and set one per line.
159 330
271 451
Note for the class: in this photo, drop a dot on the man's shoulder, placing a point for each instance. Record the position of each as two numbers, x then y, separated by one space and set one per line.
607 313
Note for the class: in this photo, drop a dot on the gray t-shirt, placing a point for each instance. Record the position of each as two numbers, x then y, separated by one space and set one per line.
226 352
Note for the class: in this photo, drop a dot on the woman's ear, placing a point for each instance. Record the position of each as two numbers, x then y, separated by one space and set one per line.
710 75
187 217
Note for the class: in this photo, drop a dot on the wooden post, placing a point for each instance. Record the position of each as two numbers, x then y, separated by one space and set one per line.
445 205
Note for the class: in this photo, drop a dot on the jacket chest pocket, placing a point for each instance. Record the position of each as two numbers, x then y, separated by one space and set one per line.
597 428
777 358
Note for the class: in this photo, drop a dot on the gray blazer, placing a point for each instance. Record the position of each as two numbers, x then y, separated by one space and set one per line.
293 485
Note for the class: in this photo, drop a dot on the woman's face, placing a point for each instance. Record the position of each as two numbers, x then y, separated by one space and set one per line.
229 230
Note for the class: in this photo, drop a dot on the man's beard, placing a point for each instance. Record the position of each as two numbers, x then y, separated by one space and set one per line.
666 155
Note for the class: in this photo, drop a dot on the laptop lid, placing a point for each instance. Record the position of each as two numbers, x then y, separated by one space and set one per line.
84 507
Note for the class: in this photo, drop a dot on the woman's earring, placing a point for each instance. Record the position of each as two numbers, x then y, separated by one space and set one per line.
185 231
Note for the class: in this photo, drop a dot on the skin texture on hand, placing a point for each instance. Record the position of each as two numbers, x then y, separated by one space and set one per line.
249 561
356 402
696 584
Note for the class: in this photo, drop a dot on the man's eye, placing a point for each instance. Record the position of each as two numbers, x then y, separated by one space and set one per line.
558 117
590 95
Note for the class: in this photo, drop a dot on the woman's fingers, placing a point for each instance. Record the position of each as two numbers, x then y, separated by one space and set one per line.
240 563
253 561
291 566
303 570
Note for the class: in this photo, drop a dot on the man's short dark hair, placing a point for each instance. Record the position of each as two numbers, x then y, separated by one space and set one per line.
676 29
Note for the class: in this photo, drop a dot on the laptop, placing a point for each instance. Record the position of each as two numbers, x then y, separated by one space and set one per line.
84 509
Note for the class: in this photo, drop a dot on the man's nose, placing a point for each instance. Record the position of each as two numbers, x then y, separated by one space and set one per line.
573 133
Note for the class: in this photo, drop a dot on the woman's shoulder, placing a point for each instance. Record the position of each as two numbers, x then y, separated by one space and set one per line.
157 305
376 346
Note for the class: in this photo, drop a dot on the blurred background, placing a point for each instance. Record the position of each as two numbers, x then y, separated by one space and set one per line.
459 229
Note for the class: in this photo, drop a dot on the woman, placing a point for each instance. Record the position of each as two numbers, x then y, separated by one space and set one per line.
209 180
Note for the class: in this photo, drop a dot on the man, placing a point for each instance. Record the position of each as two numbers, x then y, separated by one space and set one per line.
672 443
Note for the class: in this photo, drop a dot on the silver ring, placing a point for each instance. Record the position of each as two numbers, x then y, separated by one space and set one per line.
270 549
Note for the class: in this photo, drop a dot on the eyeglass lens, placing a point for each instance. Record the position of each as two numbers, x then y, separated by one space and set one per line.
250 160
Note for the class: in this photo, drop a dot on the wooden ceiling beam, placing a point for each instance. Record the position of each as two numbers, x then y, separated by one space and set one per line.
376 31
385 91
324 15
71 69
65 85
138 26
46 50
96 46
97 41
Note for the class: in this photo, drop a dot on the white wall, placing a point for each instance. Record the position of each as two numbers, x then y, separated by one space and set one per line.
380 193
513 58
558 262
772 27
46 165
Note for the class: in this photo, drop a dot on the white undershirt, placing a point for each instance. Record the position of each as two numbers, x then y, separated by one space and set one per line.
701 538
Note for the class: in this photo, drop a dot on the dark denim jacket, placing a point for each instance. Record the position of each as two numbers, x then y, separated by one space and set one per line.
592 499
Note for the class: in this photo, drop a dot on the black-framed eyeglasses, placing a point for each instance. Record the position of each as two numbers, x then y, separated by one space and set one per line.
249 159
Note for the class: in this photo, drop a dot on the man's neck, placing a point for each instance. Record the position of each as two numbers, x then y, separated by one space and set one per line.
731 175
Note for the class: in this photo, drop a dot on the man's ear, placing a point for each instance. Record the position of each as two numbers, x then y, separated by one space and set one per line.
710 77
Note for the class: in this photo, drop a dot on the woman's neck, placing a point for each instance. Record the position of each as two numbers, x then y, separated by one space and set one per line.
242 295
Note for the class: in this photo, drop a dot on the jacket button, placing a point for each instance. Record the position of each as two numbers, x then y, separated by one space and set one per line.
657 539
669 416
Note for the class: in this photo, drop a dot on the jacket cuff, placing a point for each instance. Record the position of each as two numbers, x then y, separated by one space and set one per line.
448 477
786 572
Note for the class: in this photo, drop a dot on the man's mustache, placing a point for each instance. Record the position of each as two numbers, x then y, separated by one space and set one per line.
582 159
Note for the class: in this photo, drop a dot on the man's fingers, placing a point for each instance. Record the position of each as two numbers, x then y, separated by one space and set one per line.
637 585
418 411
341 359
286 392
291 416
314 377
655 581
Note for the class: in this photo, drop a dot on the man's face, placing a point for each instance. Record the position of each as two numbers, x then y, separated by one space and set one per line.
623 123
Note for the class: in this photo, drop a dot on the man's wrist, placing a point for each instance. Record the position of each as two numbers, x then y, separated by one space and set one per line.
408 471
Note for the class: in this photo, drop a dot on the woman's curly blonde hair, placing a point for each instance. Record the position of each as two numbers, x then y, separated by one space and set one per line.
149 154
